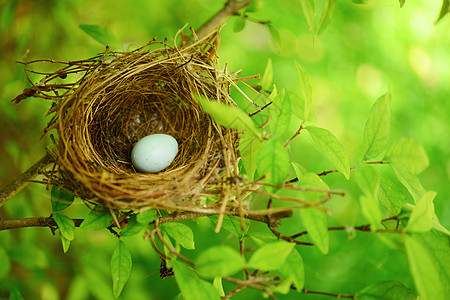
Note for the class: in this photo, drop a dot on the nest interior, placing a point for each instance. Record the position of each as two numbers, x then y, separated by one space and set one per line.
122 97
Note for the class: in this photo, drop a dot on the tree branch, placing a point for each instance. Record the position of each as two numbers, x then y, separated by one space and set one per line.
20 182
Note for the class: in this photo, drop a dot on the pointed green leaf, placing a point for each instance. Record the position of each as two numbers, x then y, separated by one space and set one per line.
147 216
272 161
120 267
384 290
219 261
101 35
318 188
248 148
327 13
270 256
410 181
66 225
191 286
267 79
181 233
377 129
402 2
409 155
294 266
133 227
96 220
239 23
308 12
421 219
330 147
371 210
429 261
298 169
276 38
65 243
254 6
315 222
367 179
280 115
390 196
229 116
445 9
232 224
61 198
305 90
15 295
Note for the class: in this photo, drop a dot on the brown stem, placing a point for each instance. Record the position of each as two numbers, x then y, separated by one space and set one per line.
20 182
32 222
305 291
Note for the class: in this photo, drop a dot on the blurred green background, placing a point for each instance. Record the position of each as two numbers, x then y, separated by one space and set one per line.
366 51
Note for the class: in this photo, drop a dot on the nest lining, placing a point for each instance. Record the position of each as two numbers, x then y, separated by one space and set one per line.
123 97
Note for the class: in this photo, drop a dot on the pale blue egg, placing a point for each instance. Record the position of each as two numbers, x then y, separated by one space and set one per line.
154 152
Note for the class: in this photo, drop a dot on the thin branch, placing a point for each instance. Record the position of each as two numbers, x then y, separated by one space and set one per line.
305 291
20 182
32 222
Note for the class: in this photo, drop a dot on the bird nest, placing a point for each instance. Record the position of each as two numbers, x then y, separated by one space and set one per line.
117 98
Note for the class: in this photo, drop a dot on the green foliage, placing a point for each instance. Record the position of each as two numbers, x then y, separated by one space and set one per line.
280 115
248 147
421 219
5 264
120 267
15 295
232 224
407 154
181 233
308 12
384 290
96 220
101 35
239 23
272 161
270 256
267 78
133 227
219 261
61 198
147 216
445 9
327 14
293 266
305 90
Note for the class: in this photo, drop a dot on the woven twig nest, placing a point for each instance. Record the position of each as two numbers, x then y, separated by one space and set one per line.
122 97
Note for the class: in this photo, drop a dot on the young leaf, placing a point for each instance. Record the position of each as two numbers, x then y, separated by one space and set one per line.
330 147
429 262
181 233
96 220
445 9
390 196
318 187
61 198
232 224
229 116
298 169
66 225
191 286
270 256
410 181
371 210
239 23
368 180
147 216
15 295
120 267
101 35
276 38
219 261
327 13
392 289
421 219
272 161
402 2
315 222
280 114
217 283
377 129
65 243
266 80
293 266
407 154
308 12
133 227
305 90
248 148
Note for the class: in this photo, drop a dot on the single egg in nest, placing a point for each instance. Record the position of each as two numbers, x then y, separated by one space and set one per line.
154 153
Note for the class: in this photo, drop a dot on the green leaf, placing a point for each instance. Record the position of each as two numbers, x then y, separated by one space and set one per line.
327 13
270 256
272 161
377 129
421 219
410 181
96 220
229 116
133 227
191 286
248 148
120 267
217 283
429 261
61 198
330 147
5 264
445 9
293 266
181 233
409 155
239 23
402 2
280 115
267 79
315 222
254 6
390 196
305 90
102 35
219 261
276 38
15 295
298 169
232 224
147 216
308 12
367 179
65 243
371 210
66 225
317 187
386 290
